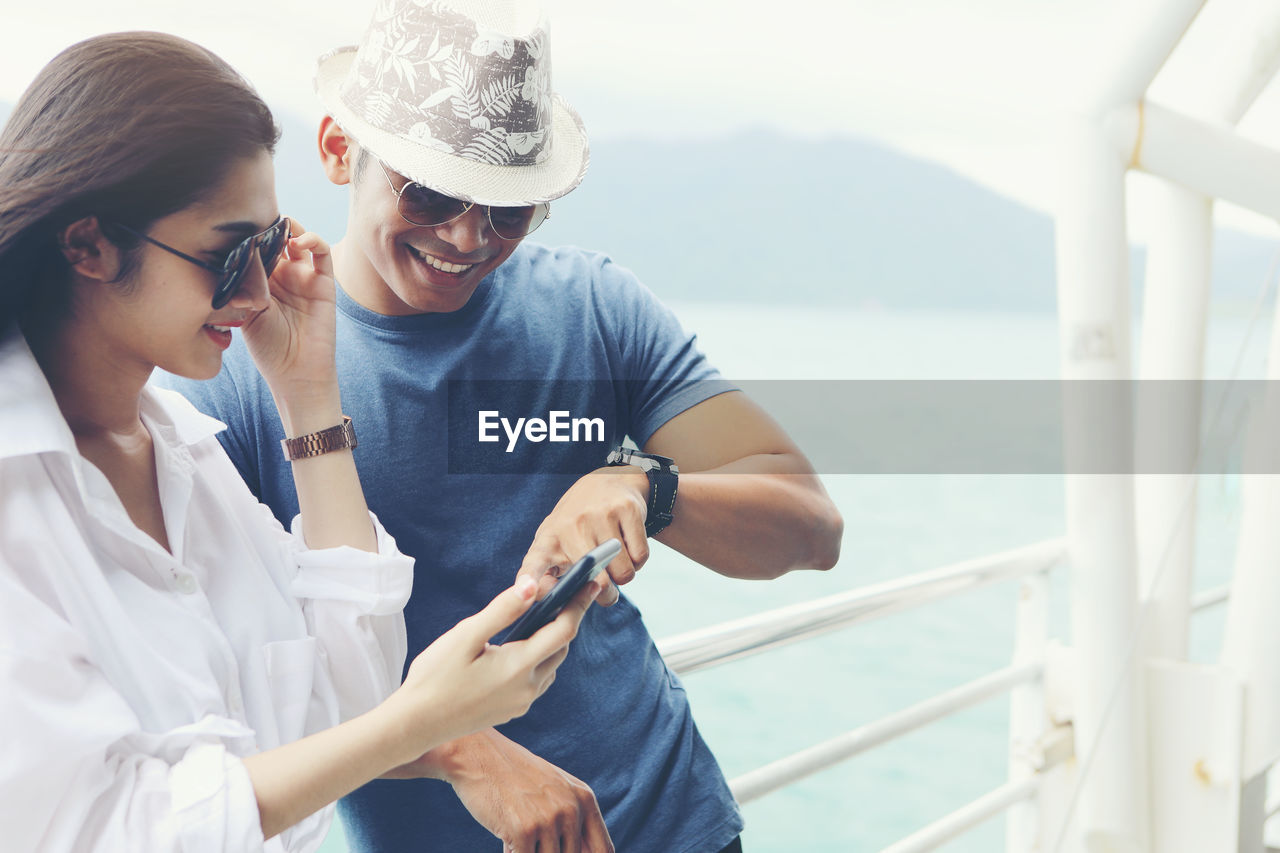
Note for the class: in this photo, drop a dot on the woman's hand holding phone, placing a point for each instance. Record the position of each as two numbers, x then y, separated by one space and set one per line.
461 683
458 685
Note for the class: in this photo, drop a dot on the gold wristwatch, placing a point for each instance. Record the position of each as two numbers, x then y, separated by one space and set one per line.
318 443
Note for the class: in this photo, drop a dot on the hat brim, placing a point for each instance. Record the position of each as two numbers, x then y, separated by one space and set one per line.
482 183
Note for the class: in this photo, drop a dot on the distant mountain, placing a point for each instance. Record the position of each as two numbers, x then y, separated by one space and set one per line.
763 218
759 217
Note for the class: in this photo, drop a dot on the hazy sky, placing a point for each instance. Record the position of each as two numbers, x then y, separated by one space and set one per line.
979 85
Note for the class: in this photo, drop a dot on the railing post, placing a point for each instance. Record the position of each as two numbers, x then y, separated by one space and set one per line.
1027 716
1176 298
1093 299
1176 294
1251 644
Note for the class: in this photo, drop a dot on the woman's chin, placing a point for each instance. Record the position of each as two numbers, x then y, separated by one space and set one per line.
201 369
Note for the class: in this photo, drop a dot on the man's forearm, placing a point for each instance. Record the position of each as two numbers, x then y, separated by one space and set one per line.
756 518
447 760
522 799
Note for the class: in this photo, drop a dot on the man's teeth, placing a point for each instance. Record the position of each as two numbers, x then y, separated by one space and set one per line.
220 328
443 266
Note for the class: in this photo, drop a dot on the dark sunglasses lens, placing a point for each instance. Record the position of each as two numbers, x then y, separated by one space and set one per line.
512 223
233 270
422 206
271 245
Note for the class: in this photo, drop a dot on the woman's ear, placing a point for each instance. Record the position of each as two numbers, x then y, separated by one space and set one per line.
337 154
88 250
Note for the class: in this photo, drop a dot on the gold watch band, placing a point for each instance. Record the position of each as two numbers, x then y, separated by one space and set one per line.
318 443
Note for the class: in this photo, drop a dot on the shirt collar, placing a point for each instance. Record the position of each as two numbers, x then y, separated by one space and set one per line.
170 408
33 423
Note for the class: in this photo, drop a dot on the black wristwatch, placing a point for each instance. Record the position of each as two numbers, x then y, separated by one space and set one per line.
663 476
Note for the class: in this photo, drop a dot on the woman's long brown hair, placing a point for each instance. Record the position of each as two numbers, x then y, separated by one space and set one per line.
128 127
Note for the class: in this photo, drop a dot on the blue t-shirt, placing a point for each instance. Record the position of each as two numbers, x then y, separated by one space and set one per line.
570 339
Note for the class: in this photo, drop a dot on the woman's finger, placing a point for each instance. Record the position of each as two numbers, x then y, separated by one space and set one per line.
545 672
506 607
548 639
309 241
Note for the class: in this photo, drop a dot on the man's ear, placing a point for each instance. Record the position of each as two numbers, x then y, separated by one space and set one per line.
337 154
88 250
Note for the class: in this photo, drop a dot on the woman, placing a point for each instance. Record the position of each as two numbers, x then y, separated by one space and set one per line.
176 671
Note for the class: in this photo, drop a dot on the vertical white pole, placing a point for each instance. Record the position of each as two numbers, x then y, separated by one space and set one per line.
1176 302
1093 300
1251 642
1175 299
1027 714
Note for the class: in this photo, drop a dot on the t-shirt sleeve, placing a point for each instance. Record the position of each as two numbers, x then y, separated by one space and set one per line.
664 371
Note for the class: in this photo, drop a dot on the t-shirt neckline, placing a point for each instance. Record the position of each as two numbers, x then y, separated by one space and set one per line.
417 322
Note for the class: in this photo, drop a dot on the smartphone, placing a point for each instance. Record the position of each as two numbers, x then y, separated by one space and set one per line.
578 576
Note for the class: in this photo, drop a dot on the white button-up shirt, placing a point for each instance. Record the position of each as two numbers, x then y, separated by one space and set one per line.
133 681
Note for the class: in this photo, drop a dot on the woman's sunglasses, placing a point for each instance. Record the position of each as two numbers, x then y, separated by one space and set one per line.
232 270
418 205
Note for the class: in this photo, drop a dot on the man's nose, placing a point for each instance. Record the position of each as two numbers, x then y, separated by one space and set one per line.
469 232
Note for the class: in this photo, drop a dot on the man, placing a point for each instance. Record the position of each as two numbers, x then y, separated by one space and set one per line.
488 380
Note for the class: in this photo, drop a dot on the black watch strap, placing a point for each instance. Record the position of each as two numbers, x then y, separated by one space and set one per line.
663 479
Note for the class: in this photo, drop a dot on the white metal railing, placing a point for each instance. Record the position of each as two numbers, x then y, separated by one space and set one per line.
984 808
1210 598
708 647
764 780
718 644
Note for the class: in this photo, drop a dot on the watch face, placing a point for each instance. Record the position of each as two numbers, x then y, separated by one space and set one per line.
645 461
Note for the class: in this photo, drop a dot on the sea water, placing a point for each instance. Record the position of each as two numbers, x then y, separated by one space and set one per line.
762 708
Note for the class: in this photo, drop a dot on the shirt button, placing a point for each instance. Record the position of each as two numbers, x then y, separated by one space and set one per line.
187 584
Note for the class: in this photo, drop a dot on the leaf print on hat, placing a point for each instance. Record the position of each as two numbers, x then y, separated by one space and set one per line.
379 105
462 79
488 42
436 54
440 95
488 147
421 133
537 84
522 143
534 45
430 72
498 97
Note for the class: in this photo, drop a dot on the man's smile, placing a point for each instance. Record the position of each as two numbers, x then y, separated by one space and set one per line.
438 263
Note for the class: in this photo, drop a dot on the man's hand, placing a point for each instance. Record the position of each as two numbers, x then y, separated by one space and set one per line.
531 805
608 503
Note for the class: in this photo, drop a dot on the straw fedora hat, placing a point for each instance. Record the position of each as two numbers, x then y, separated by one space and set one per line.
456 95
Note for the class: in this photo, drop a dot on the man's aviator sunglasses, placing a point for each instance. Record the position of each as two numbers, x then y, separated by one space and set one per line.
231 272
419 205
